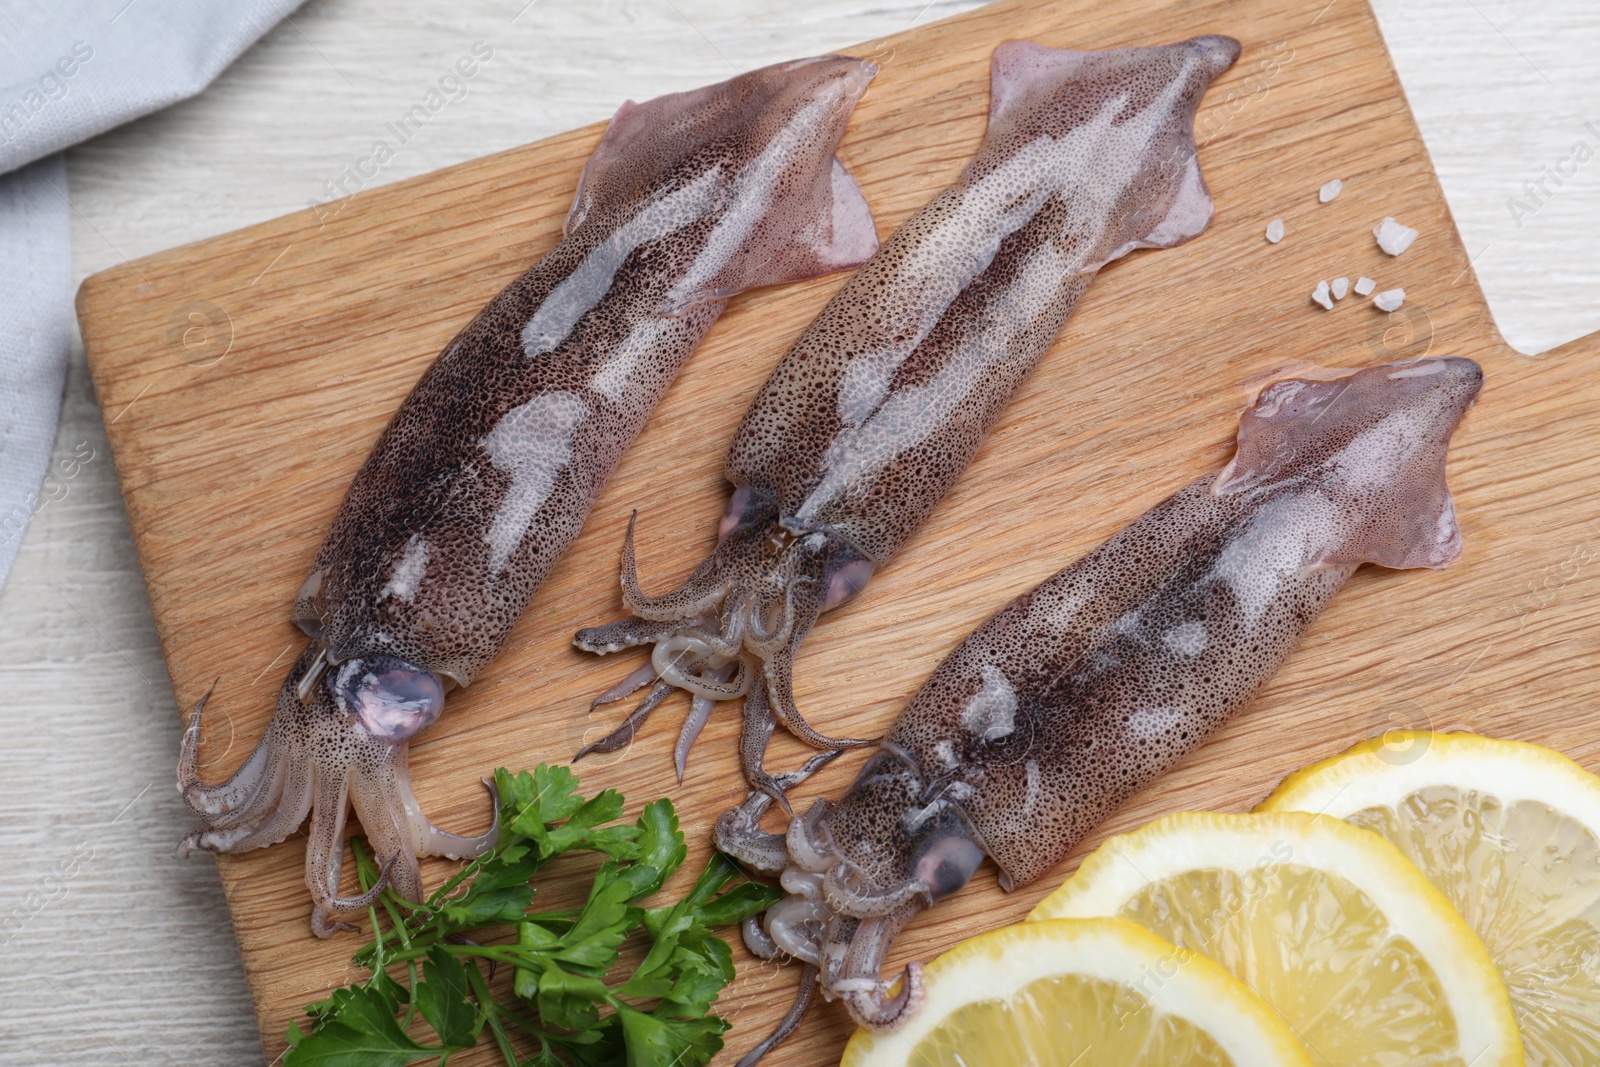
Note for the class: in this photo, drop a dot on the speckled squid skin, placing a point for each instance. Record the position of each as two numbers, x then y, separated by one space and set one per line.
1084 689
883 401
486 473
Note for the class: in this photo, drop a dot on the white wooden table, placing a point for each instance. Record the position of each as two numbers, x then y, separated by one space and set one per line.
113 951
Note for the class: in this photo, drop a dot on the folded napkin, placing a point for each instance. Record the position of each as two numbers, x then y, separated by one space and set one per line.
70 69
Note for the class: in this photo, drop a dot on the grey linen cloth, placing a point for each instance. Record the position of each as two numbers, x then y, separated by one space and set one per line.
70 69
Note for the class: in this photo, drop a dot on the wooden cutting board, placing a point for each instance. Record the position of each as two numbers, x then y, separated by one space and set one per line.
244 378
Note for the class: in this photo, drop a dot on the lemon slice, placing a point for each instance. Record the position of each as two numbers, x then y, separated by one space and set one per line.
1079 993
1365 960
1510 832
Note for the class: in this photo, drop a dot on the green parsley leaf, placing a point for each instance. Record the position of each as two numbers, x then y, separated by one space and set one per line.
442 999
358 1029
567 1007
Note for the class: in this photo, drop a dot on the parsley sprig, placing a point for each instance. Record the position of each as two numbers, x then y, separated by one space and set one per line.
567 1008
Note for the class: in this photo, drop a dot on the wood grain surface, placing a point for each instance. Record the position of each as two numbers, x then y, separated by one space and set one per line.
235 433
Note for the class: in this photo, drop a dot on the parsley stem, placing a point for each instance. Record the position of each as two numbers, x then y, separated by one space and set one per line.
563 915
500 954
364 880
492 1012
508 954
411 999
516 1017
439 895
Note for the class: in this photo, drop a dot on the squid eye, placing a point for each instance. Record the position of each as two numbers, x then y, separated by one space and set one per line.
948 864
847 581
390 697
737 511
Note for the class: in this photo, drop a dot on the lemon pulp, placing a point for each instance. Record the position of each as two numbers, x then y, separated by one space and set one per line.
1316 948
1098 992
1068 1021
1509 832
1363 958
1527 879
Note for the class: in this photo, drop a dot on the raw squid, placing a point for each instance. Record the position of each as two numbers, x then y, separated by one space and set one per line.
880 405
486 473
1081 691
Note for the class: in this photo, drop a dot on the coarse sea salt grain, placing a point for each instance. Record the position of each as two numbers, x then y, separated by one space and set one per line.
1320 295
1390 299
1392 237
1275 231
1365 285
1331 190
1341 286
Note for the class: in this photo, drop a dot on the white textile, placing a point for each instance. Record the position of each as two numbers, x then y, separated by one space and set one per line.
70 69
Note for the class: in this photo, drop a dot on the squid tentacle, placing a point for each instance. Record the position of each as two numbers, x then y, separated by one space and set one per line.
853 959
844 894
432 841
766 639
217 833
802 1004
756 939
750 603
322 910
376 797
324 848
624 733
235 793
699 714
294 804
416 833
755 734
779 676
729 641
688 659
325 860
629 685
702 592
876 1009
625 633
738 832
668 659
261 803
236 817
325 856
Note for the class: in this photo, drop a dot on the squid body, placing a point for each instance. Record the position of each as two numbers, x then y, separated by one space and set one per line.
485 475
1082 690
883 401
